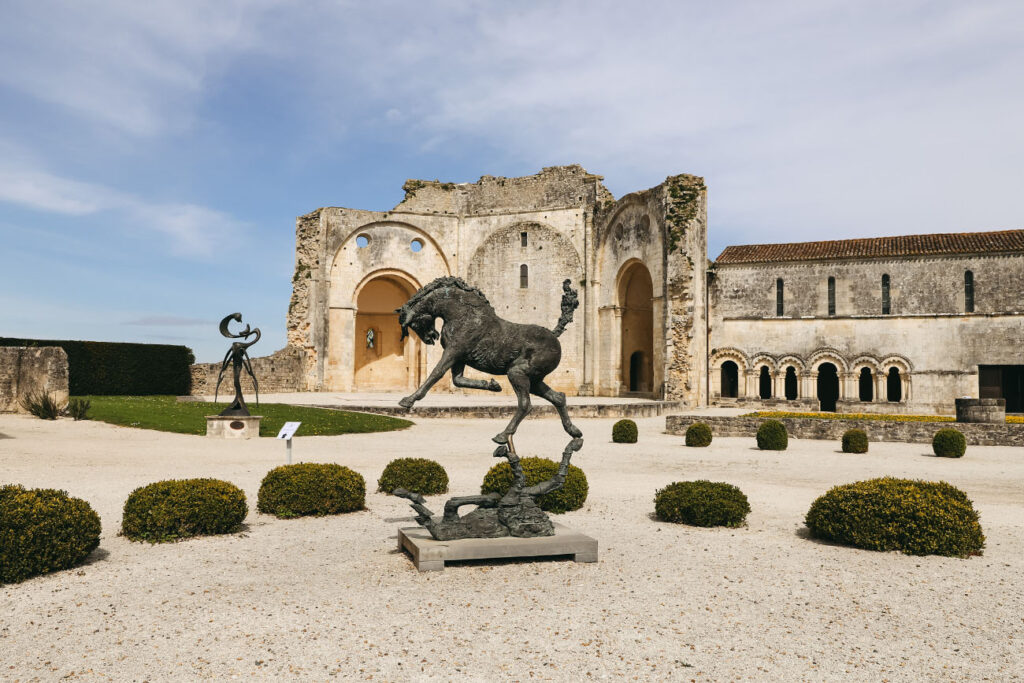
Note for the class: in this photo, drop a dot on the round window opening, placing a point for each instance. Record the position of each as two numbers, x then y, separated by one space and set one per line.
416 245
362 241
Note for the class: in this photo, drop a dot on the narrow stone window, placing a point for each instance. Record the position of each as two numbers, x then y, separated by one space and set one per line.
969 292
894 385
779 308
867 385
522 239
524 276
791 384
886 304
831 296
765 383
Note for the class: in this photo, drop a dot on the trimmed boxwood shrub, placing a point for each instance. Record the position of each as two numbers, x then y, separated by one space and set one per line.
120 368
698 435
949 443
855 441
310 488
43 530
701 503
570 497
624 431
771 436
418 475
182 508
912 516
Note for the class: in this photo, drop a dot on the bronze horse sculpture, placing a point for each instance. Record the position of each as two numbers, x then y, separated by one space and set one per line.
473 335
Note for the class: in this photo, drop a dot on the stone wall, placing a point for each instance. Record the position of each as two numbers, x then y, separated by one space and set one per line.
280 372
977 434
30 370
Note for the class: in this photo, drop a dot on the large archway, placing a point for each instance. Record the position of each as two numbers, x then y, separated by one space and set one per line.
383 361
636 298
828 387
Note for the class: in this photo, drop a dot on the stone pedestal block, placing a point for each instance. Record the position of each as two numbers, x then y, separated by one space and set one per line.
233 427
981 410
430 555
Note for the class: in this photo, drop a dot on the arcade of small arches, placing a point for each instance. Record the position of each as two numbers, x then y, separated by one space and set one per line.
825 376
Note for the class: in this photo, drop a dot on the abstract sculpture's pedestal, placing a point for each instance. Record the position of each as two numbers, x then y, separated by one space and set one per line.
233 426
430 555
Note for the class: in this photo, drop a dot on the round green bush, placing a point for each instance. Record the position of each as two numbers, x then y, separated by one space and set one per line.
912 516
624 431
701 503
418 475
771 436
43 530
311 489
182 508
855 441
698 434
570 497
949 443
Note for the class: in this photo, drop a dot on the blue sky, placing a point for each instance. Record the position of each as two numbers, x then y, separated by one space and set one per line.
141 141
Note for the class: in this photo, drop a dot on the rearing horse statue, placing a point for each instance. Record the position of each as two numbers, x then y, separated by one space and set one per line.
474 335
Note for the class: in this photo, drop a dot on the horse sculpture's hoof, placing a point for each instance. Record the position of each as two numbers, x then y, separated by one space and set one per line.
501 438
493 386
407 402
501 451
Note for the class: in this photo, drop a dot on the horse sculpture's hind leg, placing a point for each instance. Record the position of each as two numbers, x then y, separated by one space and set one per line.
467 383
557 399
521 385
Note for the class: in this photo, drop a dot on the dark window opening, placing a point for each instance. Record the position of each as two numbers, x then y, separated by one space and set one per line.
969 292
765 383
522 239
828 387
867 385
791 392
524 277
831 296
730 380
779 308
636 369
1003 381
893 386
886 307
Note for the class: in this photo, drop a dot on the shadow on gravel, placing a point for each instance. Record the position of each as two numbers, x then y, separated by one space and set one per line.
5 436
95 556
394 520
805 533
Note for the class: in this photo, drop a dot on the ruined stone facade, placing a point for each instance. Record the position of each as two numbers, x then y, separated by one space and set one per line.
31 370
896 325
638 263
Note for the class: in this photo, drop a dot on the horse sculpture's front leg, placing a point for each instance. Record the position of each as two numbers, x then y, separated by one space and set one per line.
467 383
443 366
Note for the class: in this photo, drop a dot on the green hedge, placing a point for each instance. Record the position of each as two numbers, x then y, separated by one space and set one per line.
701 503
949 443
698 435
121 369
182 508
310 488
571 496
915 517
42 530
772 436
418 475
855 441
624 431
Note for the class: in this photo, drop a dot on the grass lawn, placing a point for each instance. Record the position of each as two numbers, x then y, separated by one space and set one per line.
165 414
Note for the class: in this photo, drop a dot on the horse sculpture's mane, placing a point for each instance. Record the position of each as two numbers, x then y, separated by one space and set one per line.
440 282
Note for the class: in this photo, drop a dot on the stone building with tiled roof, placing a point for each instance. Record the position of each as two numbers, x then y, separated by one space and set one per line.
890 324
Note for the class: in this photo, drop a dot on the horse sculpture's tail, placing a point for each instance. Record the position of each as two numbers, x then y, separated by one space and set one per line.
570 302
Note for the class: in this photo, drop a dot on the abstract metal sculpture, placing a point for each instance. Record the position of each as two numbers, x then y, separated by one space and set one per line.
473 335
238 356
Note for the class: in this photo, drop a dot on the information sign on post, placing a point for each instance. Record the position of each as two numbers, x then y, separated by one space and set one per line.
286 433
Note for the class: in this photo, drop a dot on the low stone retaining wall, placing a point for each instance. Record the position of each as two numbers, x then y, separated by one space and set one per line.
541 408
280 372
29 370
977 434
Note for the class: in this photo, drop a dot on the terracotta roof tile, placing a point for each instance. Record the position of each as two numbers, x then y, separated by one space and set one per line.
877 247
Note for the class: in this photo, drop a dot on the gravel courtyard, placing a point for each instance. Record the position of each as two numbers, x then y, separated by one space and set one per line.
314 599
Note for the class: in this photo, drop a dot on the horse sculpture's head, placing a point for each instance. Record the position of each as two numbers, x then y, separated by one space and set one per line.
421 322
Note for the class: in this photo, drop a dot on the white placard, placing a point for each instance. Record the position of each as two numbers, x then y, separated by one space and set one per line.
288 431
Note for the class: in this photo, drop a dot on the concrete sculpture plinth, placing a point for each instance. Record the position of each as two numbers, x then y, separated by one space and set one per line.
430 555
233 426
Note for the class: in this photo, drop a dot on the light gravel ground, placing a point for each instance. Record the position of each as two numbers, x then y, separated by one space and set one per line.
312 599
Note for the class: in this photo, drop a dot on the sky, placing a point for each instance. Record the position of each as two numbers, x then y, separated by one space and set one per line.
154 155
